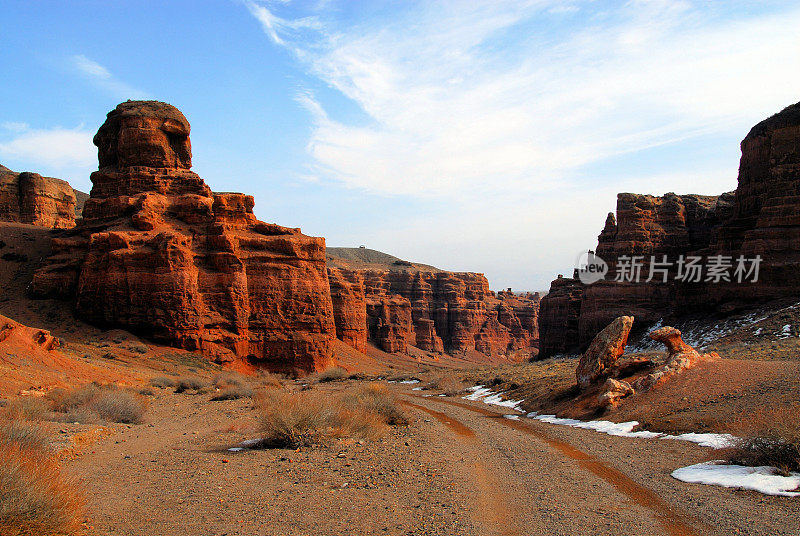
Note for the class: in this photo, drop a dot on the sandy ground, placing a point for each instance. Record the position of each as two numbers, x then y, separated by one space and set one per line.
459 468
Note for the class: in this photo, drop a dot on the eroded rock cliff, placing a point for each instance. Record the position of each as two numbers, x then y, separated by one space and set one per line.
435 311
159 254
762 217
36 200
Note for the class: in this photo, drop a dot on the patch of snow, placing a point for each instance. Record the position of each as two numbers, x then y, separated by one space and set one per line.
762 479
417 389
757 332
715 441
409 382
511 417
622 429
235 449
479 392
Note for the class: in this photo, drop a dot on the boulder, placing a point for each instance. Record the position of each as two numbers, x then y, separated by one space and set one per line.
680 357
613 391
604 351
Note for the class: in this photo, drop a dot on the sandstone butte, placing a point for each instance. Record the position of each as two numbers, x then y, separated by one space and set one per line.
762 217
36 200
435 311
159 254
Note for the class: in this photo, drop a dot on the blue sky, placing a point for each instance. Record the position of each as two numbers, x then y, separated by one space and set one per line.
477 136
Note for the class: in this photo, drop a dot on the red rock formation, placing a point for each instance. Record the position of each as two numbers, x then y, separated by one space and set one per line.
762 217
440 311
159 254
36 200
604 351
680 357
559 315
349 307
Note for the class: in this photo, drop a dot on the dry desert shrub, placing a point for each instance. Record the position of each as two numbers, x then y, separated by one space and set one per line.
35 498
233 392
772 438
22 433
333 374
376 398
189 384
268 379
228 379
94 402
26 408
303 418
162 382
117 405
449 384
294 419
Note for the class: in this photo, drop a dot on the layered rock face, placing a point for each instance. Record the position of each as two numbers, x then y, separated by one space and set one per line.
762 217
159 254
434 311
36 200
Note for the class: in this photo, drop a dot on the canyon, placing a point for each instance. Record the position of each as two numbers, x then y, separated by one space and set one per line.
761 218
157 253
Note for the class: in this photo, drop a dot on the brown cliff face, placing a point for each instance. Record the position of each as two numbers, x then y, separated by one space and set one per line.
36 200
435 311
160 254
762 217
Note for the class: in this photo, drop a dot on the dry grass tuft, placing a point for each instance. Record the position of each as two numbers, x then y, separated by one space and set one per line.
162 382
772 438
270 380
35 498
333 374
449 384
94 402
297 419
294 420
228 379
376 398
26 408
233 392
189 384
26 434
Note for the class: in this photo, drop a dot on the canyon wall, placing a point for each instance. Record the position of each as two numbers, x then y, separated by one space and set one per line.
762 217
36 200
453 312
159 254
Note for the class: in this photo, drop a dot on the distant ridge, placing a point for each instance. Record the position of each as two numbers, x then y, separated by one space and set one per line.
370 259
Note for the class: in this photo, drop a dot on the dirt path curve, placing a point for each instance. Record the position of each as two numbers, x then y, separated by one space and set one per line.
559 462
459 469
674 522
493 512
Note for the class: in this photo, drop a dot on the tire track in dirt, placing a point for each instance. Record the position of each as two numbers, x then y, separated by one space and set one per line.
493 504
674 522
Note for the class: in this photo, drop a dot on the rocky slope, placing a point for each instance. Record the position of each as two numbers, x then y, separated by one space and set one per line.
436 311
159 254
762 217
36 200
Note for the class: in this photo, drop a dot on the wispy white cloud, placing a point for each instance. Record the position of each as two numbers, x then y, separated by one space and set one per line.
102 78
53 149
449 108
275 26
484 105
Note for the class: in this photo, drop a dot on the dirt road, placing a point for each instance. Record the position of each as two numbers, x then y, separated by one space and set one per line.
460 468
